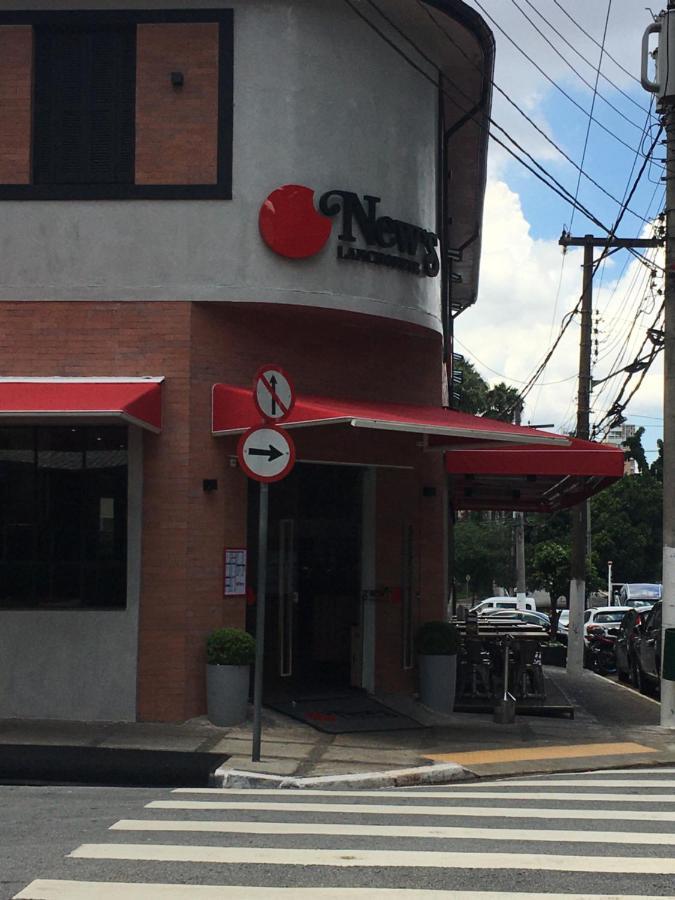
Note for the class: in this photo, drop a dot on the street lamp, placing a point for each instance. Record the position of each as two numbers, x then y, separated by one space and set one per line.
610 593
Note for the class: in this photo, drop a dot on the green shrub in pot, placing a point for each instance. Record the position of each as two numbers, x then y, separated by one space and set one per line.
230 653
437 648
230 647
438 639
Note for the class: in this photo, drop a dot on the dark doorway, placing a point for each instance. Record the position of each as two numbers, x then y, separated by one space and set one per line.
314 579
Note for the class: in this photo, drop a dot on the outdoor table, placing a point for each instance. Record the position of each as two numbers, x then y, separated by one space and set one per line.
496 638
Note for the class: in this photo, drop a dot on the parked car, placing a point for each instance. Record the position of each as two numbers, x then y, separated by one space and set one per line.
608 618
625 642
492 604
519 615
563 625
646 670
639 594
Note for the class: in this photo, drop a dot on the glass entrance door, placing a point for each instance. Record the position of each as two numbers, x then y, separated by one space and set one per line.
314 590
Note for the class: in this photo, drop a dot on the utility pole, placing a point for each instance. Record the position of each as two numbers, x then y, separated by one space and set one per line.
577 603
664 87
519 517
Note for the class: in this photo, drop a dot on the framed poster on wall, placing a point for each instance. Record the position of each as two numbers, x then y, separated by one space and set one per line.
235 571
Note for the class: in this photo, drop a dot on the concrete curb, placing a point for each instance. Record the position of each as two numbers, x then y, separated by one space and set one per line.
441 773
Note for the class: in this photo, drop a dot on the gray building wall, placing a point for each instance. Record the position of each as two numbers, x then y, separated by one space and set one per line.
77 664
320 100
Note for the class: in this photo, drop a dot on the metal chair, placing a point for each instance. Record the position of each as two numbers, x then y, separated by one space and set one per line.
478 662
530 678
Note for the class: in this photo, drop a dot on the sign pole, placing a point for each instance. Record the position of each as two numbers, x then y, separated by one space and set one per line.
260 621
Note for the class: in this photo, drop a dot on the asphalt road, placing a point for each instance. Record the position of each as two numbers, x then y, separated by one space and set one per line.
605 834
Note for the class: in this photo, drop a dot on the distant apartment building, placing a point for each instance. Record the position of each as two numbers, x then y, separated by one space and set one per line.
616 438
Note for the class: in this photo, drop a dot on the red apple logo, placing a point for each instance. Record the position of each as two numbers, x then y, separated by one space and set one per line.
290 225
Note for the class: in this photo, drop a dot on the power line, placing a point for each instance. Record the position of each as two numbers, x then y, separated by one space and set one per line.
528 118
568 318
560 189
590 37
550 181
590 115
576 71
618 406
548 77
508 377
587 61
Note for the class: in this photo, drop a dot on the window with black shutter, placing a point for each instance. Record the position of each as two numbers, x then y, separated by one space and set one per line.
84 105
86 138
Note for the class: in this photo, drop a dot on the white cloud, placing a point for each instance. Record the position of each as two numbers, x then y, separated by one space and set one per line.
508 332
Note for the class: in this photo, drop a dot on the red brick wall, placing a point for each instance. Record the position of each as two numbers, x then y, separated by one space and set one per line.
177 128
186 529
16 86
131 339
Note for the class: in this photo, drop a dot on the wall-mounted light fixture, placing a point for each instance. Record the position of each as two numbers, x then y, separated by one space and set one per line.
209 484
177 79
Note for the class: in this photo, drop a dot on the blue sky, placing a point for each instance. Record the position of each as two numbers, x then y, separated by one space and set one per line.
526 288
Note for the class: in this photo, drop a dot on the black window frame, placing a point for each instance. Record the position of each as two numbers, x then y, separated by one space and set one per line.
222 189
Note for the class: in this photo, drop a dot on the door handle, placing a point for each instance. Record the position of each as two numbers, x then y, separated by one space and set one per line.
651 642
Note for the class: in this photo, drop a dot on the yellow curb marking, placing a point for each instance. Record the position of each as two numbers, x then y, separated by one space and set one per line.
514 754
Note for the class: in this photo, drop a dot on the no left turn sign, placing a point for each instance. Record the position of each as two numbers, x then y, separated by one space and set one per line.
266 453
273 393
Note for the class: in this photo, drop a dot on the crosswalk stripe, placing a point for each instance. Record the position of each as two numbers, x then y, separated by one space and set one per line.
634 770
428 810
46 889
351 858
398 831
590 782
435 793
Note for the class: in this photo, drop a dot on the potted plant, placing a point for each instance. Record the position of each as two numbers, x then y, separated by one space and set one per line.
437 648
554 654
229 655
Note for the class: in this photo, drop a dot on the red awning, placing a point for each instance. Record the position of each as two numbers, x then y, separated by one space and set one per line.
541 477
134 400
234 412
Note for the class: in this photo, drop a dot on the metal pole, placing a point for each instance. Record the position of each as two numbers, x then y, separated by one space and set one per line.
520 558
668 611
610 589
664 87
577 604
260 621
521 587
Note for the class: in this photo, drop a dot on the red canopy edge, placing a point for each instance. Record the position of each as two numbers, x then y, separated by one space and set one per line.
234 413
137 400
537 477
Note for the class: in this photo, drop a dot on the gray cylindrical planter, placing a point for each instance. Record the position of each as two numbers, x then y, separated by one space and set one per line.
227 694
438 681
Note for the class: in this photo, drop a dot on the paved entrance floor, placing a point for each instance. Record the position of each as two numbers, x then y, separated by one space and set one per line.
613 727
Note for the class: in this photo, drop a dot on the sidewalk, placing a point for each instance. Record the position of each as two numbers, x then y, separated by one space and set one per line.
613 727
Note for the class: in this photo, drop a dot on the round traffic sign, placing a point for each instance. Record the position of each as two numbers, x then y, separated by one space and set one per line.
273 393
266 453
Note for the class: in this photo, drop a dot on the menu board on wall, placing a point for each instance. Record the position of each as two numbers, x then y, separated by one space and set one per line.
235 571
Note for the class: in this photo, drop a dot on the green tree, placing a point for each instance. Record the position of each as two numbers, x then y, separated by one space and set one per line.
656 468
476 396
551 567
473 389
483 550
627 528
635 450
503 402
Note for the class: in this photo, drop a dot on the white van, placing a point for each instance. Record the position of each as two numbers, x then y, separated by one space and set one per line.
492 604
640 594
